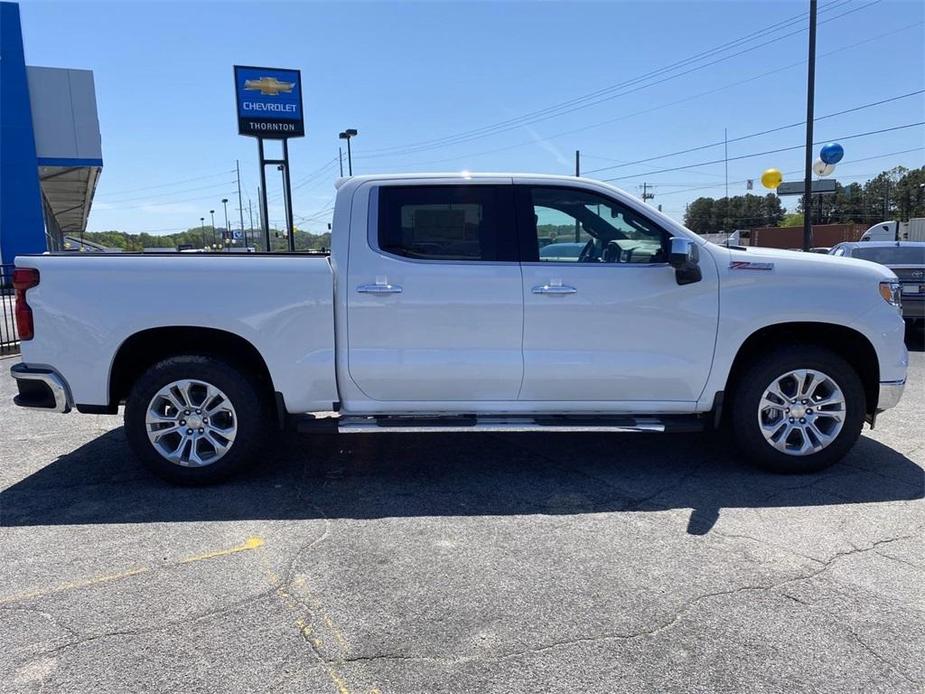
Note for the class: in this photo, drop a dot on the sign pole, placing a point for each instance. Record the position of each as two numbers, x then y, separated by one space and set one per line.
288 184
264 221
268 103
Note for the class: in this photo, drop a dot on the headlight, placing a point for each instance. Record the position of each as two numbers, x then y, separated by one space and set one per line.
892 292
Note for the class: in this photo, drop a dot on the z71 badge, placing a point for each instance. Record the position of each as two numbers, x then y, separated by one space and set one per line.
748 265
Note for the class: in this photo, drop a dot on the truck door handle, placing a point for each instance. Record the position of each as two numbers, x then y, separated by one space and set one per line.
554 289
379 289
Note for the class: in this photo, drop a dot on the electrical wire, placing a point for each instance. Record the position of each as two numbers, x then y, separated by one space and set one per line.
720 143
168 193
770 151
659 107
621 89
165 185
795 171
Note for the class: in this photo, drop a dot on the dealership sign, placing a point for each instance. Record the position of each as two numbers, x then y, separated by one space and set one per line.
269 102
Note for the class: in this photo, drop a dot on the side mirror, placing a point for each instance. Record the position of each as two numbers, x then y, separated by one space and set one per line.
684 257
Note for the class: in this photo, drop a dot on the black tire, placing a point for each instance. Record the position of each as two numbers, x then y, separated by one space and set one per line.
756 378
251 405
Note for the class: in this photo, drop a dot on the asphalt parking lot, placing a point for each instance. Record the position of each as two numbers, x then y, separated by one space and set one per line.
445 563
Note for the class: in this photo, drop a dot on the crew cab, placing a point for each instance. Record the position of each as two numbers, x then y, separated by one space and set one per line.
437 310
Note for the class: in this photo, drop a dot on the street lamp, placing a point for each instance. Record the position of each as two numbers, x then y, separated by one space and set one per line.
346 135
202 225
227 228
212 212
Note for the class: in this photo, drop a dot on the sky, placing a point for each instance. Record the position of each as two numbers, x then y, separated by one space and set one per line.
446 87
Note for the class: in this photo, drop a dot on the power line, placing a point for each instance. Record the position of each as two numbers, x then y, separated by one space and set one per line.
314 175
170 202
744 180
668 104
168 193
573 105
770 151
165 185
760 133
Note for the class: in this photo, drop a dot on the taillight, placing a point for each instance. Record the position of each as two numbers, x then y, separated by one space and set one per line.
24 278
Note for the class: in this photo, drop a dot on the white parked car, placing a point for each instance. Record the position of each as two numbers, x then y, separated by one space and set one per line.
436 310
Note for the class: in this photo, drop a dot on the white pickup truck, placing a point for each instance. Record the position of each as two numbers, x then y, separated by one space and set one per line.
438 310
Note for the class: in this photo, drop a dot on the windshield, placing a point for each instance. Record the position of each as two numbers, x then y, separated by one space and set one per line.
892 255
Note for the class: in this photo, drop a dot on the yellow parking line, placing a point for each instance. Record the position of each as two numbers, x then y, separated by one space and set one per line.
249 544
71 585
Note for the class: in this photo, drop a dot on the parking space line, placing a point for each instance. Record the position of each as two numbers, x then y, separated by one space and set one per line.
71 585
249 544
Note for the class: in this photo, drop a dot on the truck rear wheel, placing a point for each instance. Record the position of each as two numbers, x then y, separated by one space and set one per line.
195 419
798 409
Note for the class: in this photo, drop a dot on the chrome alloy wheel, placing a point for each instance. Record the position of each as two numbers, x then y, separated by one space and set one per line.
801 412
191 423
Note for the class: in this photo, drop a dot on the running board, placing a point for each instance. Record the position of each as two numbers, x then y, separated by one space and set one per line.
352 424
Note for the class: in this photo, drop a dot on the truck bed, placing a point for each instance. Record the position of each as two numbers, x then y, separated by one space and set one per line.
280 304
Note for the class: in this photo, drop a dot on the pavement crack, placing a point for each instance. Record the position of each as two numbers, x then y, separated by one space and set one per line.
690 604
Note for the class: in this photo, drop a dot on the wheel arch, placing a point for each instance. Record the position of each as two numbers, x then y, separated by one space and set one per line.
143 349
852 345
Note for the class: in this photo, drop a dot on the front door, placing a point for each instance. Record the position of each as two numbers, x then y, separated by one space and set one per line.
435 309
604 318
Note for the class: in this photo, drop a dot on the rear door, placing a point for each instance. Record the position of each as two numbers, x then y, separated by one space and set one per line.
608 322
435 304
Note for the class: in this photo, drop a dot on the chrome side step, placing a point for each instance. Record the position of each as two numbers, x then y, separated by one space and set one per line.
400 424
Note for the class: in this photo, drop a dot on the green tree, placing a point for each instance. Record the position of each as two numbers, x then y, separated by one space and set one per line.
698 217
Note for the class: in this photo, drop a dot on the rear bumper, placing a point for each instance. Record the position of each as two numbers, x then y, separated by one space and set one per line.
890 394
41 388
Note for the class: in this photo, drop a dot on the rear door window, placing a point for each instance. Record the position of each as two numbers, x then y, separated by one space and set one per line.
468 223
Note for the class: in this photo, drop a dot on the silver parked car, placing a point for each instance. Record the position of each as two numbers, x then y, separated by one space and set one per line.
906 259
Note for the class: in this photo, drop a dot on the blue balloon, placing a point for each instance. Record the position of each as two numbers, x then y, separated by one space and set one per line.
832 153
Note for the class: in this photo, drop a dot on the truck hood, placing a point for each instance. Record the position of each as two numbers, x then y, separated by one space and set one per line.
812 263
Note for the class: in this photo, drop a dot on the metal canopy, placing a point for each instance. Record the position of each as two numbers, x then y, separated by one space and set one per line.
68 193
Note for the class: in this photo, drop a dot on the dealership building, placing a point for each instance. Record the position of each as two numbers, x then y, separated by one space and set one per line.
50 144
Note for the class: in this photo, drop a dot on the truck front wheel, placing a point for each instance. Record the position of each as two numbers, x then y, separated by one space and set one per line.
195 419
797 409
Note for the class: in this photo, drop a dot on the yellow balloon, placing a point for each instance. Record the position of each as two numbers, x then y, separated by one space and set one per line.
771 178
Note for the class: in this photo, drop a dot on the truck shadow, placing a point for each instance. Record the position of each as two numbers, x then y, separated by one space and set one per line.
405 475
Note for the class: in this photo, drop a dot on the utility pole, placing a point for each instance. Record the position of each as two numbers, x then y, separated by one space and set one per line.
810 102
237 166
340 158
646 195
726 157
250 212
726 164
578 162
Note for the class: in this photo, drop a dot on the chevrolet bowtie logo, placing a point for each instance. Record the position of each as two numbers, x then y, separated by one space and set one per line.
269 86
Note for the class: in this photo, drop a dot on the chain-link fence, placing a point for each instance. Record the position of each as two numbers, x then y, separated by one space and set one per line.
9 340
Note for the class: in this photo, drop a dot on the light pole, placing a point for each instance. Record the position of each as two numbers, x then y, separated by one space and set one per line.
212 212
810 104
202 225
346 135
227 228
